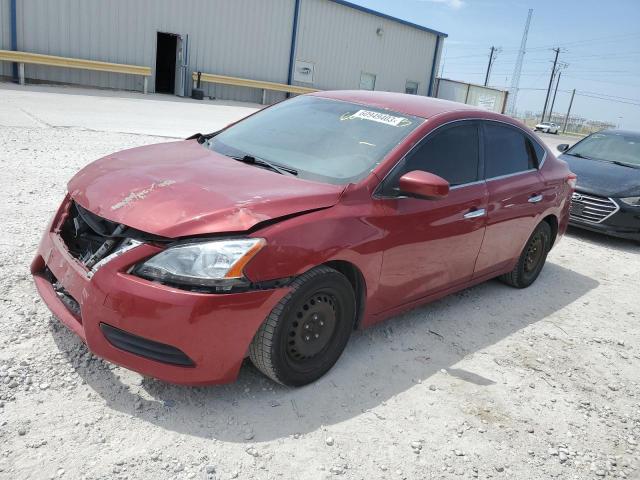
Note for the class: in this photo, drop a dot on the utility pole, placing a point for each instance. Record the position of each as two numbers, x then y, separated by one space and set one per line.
553 74
491 55
554 95
512 99
566 119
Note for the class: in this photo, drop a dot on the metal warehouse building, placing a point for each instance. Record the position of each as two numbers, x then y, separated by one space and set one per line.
322 44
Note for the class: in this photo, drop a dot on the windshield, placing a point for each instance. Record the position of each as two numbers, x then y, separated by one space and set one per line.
324 140
612 147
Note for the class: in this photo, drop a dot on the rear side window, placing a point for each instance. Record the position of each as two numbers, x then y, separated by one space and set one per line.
540 152
453 154
507 151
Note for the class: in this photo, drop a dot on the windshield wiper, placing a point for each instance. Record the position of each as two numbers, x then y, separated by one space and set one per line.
630 165
579 155
251 160
617 162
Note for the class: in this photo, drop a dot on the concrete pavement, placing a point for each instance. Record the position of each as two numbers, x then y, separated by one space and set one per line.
36 106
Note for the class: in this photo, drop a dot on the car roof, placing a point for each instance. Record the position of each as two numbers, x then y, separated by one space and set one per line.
415 105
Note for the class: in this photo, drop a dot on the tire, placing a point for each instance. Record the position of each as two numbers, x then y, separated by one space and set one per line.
531 259
307 331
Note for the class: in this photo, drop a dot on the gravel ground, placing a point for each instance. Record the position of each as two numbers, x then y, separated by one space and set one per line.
491 382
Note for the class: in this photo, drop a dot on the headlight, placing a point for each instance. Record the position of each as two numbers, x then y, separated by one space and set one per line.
216 263
631 201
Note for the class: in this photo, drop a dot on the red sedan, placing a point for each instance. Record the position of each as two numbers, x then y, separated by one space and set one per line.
277 236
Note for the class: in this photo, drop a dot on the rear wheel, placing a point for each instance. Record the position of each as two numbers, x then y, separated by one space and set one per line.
307 331
531 259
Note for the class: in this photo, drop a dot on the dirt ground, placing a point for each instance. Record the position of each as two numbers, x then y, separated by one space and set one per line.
491 382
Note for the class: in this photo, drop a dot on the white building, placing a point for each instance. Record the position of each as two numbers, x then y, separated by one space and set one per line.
324 44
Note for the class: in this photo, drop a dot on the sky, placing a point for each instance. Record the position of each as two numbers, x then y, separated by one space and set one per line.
599 41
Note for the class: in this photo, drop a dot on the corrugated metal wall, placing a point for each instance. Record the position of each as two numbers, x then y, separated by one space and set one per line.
5 34
484 97
245 38
342 42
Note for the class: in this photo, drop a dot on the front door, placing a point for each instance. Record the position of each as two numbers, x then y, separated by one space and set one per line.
435 242
182 66
515 191
166 57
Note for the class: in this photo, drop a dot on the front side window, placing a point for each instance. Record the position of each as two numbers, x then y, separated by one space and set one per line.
451 153
507 151
322 139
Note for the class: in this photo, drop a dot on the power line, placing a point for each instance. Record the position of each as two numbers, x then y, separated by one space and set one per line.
594 95
613 96
607 39
602 81
586 41
637 104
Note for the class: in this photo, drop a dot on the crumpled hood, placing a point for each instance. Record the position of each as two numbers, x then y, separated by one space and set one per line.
182 188
604 178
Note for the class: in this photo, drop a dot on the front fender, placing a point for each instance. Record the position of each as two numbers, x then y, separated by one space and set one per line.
340 233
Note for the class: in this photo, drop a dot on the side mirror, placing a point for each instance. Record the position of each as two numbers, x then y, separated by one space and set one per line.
563 147
425 185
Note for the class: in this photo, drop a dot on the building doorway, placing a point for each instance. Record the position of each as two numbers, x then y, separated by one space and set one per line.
166 50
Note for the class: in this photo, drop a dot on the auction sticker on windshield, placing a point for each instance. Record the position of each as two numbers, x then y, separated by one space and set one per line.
378 117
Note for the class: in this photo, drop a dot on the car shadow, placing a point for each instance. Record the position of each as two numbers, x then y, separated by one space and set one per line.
595 238
378 364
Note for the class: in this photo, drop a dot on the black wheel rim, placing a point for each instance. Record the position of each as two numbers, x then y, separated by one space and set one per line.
311 327
535 251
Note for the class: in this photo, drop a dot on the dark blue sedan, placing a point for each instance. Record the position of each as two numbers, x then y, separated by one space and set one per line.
607 197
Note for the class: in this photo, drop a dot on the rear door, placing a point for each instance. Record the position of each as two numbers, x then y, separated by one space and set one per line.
433 244
515 191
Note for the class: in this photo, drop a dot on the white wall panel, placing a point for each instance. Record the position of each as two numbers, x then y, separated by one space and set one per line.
5 34
245 38
248 38
342 42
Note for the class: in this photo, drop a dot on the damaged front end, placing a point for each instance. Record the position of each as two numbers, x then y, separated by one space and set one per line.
94 240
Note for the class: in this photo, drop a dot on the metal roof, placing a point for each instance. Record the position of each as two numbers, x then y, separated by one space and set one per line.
389 17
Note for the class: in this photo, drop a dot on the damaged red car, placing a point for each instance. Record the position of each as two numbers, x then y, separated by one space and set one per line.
276 237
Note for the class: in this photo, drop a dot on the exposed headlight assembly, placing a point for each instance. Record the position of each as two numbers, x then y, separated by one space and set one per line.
217 263
631 201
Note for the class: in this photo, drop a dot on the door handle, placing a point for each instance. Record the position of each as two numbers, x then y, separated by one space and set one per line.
535 199
478 212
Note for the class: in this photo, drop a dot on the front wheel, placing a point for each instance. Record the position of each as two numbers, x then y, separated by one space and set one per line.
306 332
531 259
